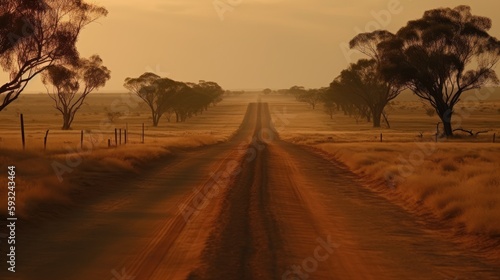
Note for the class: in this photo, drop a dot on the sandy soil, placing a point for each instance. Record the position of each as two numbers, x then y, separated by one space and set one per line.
255 207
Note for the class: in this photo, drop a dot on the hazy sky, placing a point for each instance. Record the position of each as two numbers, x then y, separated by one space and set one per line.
253 44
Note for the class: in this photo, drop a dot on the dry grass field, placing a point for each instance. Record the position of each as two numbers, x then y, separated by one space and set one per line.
452 185
407 116
93 119
249 140
455 180
44 177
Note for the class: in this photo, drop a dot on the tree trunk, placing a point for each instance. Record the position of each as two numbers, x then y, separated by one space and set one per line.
376 121
66 121
445 115
448 131
376 116
155 119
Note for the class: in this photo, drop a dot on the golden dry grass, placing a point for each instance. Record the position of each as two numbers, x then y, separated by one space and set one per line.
38 185
218 122
36 182
408 120
456 180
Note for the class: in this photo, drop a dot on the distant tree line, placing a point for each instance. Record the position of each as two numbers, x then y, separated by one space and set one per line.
166 97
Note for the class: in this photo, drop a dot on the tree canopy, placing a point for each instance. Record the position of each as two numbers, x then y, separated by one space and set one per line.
442 55
166 96
69 85
361 90
37 34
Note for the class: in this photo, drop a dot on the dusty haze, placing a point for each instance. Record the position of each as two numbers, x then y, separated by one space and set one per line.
257 44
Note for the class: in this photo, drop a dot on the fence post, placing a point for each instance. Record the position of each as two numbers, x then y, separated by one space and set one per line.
125 134
120 136
142 133
22 132
81 140
494 136
45 140
109 143
116 137
380 137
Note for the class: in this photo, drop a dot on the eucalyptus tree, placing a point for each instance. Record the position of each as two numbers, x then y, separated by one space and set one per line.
442 55
37 34
69 85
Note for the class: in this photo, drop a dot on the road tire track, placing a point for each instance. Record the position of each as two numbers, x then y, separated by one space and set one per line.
245 242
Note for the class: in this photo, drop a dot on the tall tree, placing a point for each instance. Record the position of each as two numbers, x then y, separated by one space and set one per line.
166 96
312 96
296 90
155 91
211 91
196 98
367 88
351 104
330 104
188 101
367 43
442 55
69 85
267 91
37 34
386 89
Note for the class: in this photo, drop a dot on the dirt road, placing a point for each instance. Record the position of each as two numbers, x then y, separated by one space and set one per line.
255 207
